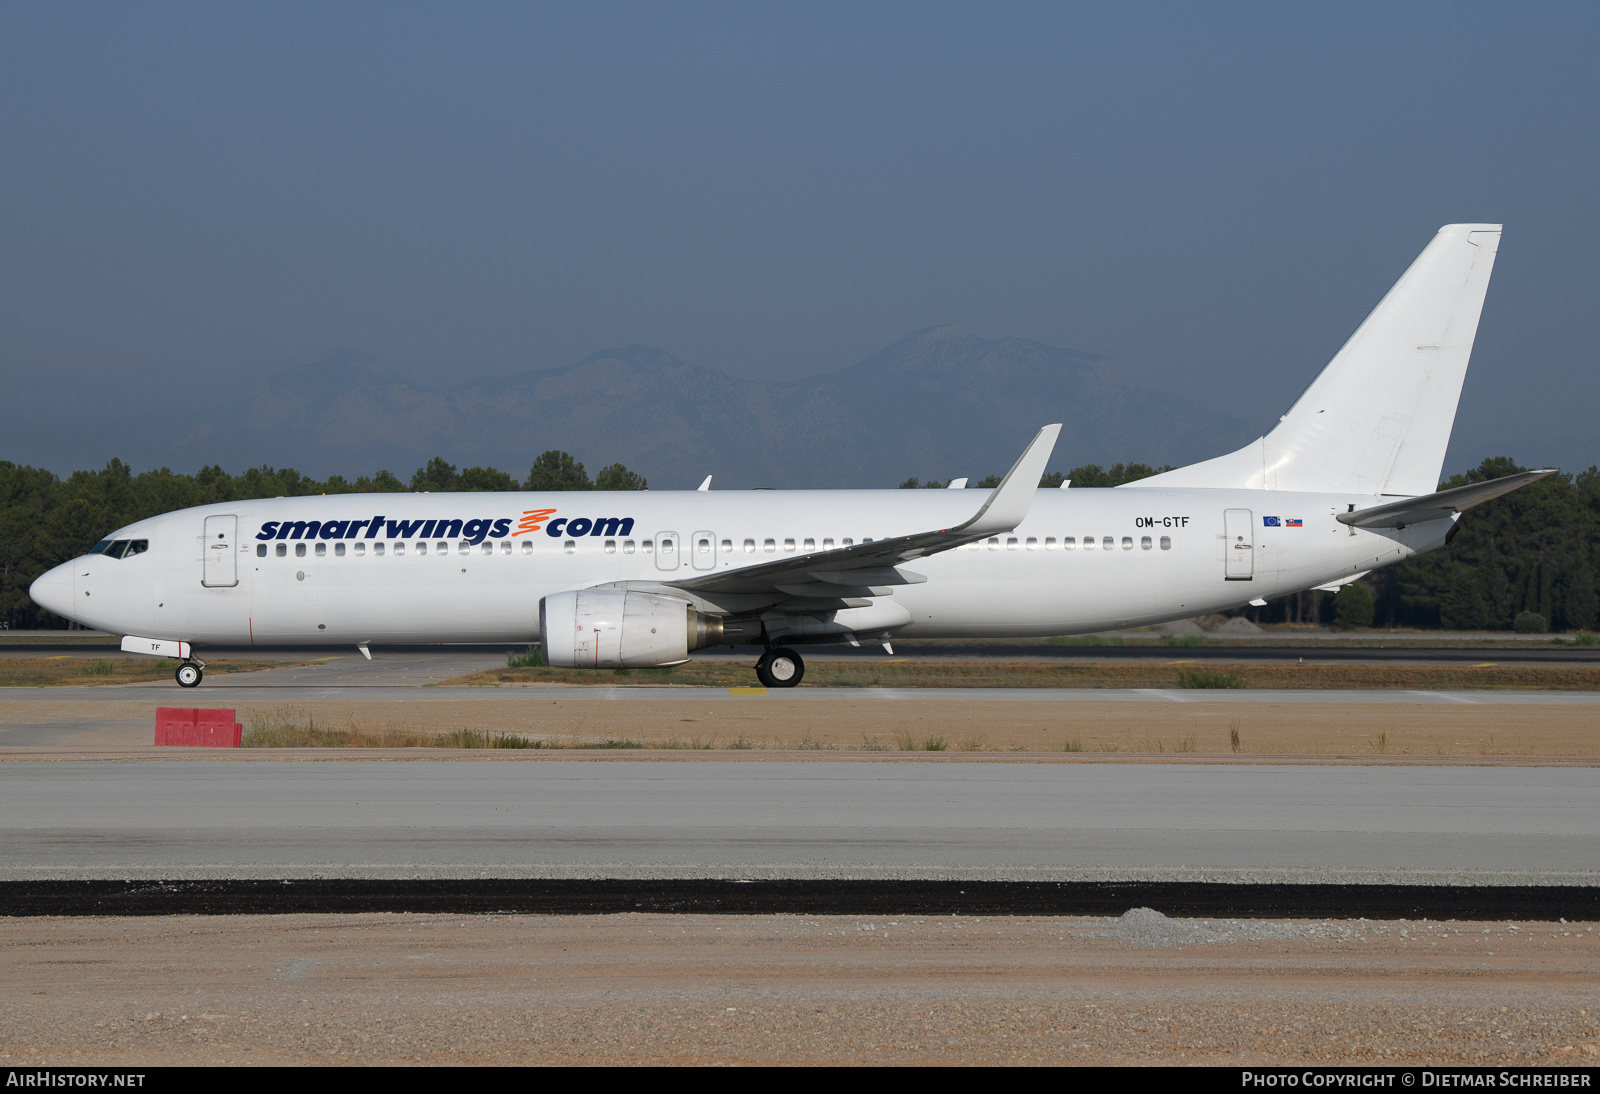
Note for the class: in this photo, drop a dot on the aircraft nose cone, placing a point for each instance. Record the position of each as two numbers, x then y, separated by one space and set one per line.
53 591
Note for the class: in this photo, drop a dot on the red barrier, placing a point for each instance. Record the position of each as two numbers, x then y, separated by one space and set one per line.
203 728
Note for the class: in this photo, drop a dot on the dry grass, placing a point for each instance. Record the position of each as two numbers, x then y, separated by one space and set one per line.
1119 674
68 671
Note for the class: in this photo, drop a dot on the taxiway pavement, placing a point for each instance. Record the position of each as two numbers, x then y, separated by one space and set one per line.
429 819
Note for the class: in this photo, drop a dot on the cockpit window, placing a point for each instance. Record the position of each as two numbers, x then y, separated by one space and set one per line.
121 548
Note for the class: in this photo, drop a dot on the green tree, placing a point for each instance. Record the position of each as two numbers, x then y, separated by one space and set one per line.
437 477
556 470
1353 607
617 477
486 479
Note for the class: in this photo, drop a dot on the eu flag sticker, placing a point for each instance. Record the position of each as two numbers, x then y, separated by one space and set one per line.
1270 522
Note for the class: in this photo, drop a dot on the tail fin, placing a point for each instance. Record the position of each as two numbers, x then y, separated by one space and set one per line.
1378 418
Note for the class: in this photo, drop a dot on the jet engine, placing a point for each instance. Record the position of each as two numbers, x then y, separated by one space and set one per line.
615 628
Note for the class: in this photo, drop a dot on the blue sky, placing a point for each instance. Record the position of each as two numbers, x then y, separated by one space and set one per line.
1213 194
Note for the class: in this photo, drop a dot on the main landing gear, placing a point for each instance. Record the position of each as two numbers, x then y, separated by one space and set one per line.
780 668
190 673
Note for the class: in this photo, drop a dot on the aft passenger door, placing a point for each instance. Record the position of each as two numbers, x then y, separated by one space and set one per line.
1239 529
221 566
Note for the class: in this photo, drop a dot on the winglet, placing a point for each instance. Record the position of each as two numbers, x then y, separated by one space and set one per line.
1009 504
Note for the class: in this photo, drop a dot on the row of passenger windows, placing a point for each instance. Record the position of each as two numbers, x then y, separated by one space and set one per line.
463 547
702 545
1070 543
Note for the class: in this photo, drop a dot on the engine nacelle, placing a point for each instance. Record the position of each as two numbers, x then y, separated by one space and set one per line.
614 628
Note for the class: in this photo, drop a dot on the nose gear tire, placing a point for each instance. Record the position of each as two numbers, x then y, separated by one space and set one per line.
189 675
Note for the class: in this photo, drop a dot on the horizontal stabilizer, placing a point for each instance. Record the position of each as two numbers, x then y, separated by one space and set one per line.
1398 514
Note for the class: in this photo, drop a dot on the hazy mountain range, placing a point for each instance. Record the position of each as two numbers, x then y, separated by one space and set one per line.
939 403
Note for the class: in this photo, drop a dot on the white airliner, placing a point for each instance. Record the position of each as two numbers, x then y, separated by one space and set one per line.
1345 483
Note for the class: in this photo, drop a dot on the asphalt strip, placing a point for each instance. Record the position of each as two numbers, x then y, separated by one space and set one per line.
795 897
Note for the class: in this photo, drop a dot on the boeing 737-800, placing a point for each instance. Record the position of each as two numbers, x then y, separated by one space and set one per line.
1345 483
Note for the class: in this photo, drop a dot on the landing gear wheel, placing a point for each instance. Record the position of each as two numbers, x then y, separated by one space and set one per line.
780 668
189 675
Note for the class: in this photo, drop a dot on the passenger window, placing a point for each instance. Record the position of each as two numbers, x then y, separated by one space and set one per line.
727 546
463 547
338 550
702 546
527 546
1049 543
973 546
611 547
361 549
283 549
788 544
377 549
505 546
422 548
749 546
1011 543
627 546
322 550
827 544
440 547
299 550
261 550
1127 543
1166 543
1144 543
1032 544
809 545
1108 542
666 546
647 546
846 541
1069 543
487 548
399 549
570 547
994 543
769 545
1088 543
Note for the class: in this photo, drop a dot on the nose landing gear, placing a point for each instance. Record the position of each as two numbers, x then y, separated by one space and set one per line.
780 668
190 673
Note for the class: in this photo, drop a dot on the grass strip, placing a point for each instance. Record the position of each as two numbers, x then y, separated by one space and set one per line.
934 674
67 671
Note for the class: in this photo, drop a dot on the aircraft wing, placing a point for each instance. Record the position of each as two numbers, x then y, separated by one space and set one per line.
1398 514
823 580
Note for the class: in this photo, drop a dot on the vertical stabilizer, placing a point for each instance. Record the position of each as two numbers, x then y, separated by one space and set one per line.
1378 418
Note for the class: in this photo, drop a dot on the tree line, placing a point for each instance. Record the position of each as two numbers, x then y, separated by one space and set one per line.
46 520
1526 560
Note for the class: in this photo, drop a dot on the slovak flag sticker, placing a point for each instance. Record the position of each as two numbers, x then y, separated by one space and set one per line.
1292 522
1270 522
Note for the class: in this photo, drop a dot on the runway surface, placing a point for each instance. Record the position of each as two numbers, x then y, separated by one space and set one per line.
1020 822
283 688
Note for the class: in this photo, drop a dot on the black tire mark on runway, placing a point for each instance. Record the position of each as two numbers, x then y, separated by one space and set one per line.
809 897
